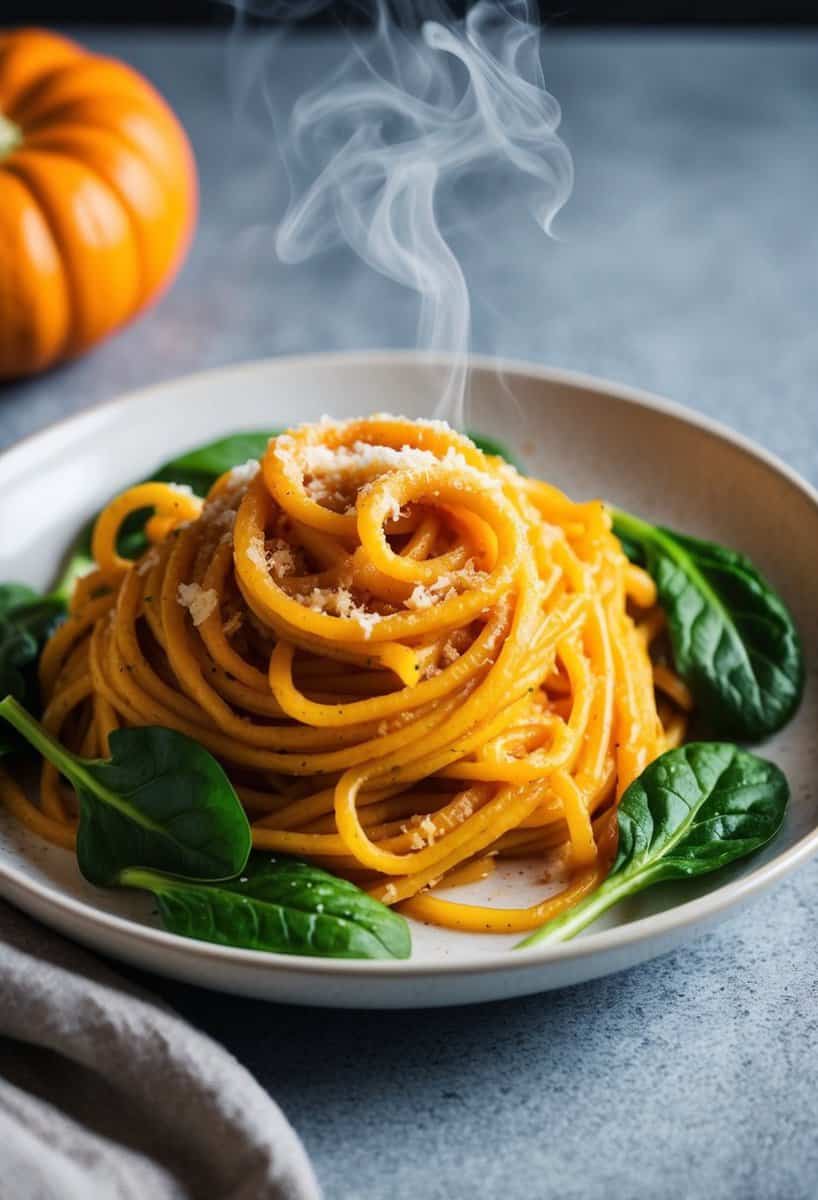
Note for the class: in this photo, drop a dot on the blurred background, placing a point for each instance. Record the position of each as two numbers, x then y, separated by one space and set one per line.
568 12
685 260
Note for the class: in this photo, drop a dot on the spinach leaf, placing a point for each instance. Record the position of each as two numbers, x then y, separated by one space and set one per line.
734 641
27 620
694 810
23 630
161 815
214 458
14 596
497 449
160 801
280 905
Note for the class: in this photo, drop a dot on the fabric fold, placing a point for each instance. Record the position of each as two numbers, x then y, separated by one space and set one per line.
107 1091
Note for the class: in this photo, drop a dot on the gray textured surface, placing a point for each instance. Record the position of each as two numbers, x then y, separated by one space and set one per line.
688 264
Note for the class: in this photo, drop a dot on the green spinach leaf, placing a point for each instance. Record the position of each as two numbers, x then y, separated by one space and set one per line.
694 810
161 815
27 620
214 458
15 596
161 801
279 905
22 632
734 641
490 445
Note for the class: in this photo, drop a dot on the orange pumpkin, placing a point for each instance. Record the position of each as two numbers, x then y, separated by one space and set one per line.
97 198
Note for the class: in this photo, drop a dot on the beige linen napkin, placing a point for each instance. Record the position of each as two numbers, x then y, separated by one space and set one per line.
105 1094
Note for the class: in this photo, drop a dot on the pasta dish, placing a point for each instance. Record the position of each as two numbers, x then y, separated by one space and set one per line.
411 660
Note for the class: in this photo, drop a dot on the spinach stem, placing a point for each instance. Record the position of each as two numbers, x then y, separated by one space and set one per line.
38 737
630 524
71 765
566 926
137 877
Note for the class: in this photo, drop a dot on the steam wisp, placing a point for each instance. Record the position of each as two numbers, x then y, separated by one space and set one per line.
376 149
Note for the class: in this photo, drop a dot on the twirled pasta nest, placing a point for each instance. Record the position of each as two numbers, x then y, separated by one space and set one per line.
411 660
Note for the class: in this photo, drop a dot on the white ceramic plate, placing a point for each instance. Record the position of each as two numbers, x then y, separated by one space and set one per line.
590 437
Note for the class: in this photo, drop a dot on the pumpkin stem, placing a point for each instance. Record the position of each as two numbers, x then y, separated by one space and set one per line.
11 136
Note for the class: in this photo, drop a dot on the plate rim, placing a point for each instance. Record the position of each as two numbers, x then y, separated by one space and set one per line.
651 928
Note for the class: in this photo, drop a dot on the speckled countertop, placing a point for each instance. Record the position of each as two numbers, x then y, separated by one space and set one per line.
688 264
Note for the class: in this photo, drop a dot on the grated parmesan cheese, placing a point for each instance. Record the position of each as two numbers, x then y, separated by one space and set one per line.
366 620
450 653
280 558
233 625
428 826
256 553
463 809
364 457
424 596
244 473
224 518
148 562
338 602
199 602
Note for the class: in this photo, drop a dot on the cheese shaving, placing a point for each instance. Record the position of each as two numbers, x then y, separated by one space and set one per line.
199 602
338 602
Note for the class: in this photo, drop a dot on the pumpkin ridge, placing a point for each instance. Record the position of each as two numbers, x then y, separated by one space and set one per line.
169 183
154 162
173 180
56 116
39 82
29 52
119 81
114 189
58 350
132 145
70 285
75 340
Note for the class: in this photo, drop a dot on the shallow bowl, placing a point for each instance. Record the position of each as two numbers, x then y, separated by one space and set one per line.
590 437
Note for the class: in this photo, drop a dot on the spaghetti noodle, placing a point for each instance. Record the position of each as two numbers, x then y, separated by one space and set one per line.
411 660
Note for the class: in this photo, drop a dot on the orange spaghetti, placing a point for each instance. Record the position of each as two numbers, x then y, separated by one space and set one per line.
411 659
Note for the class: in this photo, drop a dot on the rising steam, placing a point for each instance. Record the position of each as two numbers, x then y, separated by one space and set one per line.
376 149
